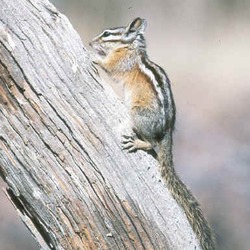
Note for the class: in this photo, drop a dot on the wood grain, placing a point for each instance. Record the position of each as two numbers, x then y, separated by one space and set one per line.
60 153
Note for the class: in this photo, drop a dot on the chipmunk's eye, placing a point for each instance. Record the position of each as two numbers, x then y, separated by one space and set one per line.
106 33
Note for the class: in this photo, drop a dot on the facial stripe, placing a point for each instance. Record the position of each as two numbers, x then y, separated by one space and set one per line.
114 31
112 37
117 29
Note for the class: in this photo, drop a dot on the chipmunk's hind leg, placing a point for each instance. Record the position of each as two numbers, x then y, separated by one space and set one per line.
132 144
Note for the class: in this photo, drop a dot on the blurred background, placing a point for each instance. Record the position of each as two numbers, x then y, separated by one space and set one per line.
204 46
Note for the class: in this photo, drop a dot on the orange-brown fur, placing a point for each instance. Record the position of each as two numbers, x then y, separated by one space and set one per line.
140 86
136 81
115 57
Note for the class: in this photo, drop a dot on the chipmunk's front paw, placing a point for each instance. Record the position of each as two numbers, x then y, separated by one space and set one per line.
132 144
128 143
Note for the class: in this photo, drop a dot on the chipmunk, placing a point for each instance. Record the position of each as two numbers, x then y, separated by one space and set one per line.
121 52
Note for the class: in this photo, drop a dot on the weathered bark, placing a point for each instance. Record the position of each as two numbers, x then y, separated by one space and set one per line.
60 154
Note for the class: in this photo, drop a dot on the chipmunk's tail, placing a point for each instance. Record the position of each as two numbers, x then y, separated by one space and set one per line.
183 196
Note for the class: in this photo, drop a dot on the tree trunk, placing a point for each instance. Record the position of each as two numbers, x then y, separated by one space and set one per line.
60 153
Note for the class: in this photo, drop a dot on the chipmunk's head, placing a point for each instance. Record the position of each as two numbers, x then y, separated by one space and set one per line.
130 36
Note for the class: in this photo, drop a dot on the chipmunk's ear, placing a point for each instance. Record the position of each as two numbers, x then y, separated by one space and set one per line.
137 26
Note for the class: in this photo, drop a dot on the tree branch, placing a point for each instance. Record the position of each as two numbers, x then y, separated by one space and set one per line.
60 148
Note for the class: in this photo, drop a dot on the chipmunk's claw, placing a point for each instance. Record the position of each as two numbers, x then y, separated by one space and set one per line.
128 143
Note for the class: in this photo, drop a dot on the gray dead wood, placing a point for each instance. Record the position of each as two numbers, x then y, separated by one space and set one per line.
60 154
